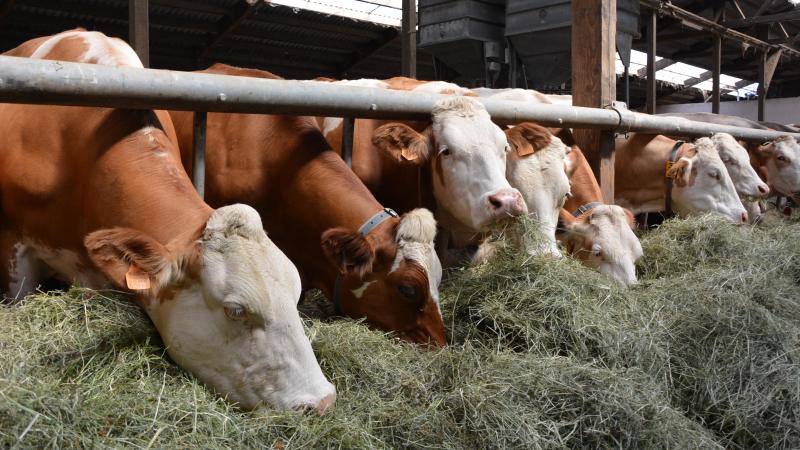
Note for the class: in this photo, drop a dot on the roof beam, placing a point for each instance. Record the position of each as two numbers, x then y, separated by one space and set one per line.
660 64
726 33
689 82
772 18
226 25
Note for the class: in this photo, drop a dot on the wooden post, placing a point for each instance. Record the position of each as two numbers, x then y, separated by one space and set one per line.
408 40
716 69
139 29
594 26
651 62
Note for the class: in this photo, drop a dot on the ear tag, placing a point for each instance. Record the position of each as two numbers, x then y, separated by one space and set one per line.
525 150
407 154
136 279
669 166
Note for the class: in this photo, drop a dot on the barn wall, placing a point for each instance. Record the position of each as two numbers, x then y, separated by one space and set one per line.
779 110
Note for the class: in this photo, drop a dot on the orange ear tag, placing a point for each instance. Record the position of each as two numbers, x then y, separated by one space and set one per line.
525 150
136 279
669 166
407 154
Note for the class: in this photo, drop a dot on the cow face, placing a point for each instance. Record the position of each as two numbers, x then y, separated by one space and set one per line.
467 156
391 276
782 158
536 167
603 239
226 308
701 184
737 162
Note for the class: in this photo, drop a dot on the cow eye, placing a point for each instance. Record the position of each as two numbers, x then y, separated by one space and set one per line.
715 175
235 311
782 158
444 150
409 292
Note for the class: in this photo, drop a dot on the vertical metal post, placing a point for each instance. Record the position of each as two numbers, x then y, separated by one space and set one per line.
139 29
716 69
199 153
408 40
348 126
594 83
762 88
651 62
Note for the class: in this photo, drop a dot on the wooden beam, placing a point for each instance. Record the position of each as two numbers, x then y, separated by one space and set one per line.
139 29
716 70
772 18
227 25
652 31
408 63
662 63
594 81
762 89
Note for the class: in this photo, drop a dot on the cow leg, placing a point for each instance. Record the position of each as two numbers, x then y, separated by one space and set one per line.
22 271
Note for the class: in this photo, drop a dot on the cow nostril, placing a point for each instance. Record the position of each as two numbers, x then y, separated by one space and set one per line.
495 202
763 189
744 217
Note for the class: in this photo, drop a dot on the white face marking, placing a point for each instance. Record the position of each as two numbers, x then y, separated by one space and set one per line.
471 151
615 248
415 242
712 189
261 357
101 49
359 291
737 163
330 124
783 167
542 179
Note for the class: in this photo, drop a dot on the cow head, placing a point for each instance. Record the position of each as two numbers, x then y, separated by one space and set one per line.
603 239
467 157
536 167
701 184
781 158
226 308
737 161
391 276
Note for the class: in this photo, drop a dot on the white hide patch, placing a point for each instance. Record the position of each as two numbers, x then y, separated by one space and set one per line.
359 291
415 235
33 262
737 162
364 82
330 124
101 49
437 87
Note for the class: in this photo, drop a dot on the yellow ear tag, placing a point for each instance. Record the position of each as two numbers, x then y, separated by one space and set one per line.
407 154
136 279
669 166
525 150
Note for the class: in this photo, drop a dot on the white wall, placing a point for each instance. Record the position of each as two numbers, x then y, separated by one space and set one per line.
778 110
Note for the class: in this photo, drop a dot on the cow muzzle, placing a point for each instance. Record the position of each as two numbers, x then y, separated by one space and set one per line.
506 203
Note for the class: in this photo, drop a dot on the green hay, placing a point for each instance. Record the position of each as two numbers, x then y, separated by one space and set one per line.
703 353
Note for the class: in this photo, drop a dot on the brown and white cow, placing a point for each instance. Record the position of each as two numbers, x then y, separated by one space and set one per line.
313 207
459 156
98 197
697 181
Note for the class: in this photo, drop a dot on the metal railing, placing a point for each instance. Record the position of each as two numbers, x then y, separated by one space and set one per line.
34 81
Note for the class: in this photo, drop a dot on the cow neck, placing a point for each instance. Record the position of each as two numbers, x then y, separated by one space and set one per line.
175 213
640 172
583 184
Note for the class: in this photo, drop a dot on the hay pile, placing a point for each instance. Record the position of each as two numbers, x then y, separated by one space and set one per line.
547 354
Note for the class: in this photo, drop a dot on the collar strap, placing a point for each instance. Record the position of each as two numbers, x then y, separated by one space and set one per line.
364 230
583 209
672 155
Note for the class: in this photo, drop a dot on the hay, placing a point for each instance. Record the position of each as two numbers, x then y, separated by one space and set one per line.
546 354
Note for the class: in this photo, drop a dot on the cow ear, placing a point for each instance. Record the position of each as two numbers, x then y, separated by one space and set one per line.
129 258
629 217
680 172
348 250
766 149
527 138
402 143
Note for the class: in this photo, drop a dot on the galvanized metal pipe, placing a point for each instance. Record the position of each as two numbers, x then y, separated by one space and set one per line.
34 81
348 127
199 152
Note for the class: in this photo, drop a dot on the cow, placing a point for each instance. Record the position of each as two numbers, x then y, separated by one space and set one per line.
455 163
776 161
368 261
98 197
654 173
599 235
